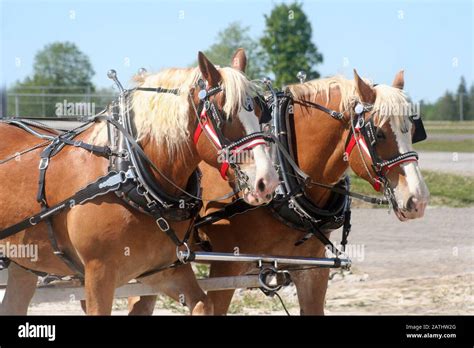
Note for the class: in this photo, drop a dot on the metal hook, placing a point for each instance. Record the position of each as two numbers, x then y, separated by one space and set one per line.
301 75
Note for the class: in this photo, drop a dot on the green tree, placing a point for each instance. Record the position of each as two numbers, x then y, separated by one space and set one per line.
426 110
462 99
60 68
287 44
62 64
445 108
228 41
470 113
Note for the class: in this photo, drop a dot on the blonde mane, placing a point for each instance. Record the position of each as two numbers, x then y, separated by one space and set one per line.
164 117
389 101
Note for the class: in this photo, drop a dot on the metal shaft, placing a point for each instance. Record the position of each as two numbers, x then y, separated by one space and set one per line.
283 260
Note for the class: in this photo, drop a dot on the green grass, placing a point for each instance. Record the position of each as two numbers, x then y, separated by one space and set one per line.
446 145
450 189
449 127
446 189
456 130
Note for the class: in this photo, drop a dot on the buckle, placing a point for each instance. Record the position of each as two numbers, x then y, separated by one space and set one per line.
151 204
163 224
43 163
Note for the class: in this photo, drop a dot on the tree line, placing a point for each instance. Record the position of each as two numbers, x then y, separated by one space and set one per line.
452 106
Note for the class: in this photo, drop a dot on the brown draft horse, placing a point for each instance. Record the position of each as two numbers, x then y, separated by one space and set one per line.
113 241
319 147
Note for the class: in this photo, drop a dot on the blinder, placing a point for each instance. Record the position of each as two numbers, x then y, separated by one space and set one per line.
420 132
266 115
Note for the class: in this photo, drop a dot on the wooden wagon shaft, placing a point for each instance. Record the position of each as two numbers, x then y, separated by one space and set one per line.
63 291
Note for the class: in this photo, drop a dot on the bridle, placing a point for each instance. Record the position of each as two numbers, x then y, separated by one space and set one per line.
362 135
210 121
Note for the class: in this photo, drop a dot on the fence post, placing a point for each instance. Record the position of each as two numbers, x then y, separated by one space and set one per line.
3 102
17 106
42 103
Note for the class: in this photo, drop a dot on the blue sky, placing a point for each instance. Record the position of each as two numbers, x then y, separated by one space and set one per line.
431 40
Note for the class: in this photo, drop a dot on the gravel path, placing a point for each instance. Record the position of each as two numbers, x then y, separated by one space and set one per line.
450 137
422 266
461 163
442 243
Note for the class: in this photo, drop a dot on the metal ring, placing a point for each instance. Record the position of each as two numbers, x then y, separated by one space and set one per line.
264 272
140 192
180 255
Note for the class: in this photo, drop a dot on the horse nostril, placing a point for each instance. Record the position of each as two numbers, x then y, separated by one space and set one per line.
261 185
411 203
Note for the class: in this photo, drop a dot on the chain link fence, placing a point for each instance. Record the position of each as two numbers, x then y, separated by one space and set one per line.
54 102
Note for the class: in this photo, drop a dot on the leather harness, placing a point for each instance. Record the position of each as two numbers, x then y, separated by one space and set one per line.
132 181
129 175
291 205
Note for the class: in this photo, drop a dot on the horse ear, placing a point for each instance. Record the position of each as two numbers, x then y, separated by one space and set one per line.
366 93
239 60
399 80
208 70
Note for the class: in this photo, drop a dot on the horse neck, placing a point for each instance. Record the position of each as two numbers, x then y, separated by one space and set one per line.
319 140
178 168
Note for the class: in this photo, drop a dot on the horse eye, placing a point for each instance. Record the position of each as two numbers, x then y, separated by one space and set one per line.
379 134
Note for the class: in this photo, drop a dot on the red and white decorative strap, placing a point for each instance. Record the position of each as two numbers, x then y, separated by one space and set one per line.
246 143
383 167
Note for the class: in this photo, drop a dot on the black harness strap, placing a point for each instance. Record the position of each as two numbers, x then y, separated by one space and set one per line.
159 90
229 210
78 268
103 185
334 114
46 154
104 151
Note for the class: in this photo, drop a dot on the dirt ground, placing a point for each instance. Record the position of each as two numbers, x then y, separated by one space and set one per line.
418 267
